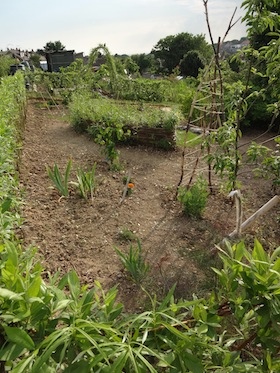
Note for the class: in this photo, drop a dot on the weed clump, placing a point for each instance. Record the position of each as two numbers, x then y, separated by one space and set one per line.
194 199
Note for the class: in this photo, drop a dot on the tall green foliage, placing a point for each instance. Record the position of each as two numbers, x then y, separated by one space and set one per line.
171 50
262 57
5 63
12 111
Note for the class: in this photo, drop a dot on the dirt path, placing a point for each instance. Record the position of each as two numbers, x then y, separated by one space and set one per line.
72 233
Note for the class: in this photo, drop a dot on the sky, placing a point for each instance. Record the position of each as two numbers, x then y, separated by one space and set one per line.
125 26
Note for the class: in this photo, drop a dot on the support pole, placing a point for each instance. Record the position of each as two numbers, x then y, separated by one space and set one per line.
263 210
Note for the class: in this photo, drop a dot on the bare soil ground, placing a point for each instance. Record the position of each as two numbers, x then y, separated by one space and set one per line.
73 233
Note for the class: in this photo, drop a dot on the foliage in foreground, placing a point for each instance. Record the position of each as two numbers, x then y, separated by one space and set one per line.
63 326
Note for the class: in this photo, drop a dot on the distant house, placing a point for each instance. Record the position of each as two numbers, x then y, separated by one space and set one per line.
56 60
44 65
231 47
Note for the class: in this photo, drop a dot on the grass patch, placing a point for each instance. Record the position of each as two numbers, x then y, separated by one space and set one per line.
188 139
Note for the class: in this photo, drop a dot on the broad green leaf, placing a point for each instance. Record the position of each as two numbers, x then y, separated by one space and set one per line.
86 302
12 254
239 251
39 311
20 337
74 284
6 204
8 294
203 328
34 287
276 268
259 253
193 363
61 305
119 362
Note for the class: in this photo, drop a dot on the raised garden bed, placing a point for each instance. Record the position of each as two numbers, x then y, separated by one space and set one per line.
160 138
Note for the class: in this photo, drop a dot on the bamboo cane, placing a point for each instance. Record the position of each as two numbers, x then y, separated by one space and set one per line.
261 211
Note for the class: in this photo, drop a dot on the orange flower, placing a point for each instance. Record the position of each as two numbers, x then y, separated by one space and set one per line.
130 185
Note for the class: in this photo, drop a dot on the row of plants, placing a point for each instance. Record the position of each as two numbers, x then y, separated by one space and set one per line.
144 90
84 108
12 109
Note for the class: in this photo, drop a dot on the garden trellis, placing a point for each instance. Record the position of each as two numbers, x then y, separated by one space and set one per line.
206 115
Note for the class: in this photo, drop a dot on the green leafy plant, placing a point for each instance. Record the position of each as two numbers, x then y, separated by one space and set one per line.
194 199
225 157
127 235
250 285
86 182
59 180
267 161
134 262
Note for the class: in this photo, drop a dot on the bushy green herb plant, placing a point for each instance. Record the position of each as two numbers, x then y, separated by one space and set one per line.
59 179
86 182
134 262
194 199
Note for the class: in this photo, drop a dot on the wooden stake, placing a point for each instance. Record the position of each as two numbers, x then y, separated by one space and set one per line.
263 210
238 202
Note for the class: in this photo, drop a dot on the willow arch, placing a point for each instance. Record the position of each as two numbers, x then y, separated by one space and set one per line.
111 63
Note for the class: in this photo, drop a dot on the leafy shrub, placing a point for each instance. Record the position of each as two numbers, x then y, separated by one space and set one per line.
194 199
267 160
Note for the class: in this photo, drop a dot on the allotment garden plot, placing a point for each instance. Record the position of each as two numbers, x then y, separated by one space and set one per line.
79 234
